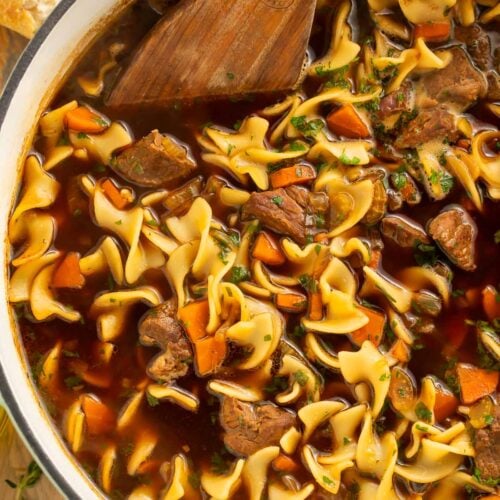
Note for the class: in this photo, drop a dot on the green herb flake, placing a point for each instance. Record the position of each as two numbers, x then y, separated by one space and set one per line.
327 480
239 274
152 401
277 200
267 338
308 283
349 161
82 135
73 381
422 412
301 378
399 180
308 128
384 377
230 76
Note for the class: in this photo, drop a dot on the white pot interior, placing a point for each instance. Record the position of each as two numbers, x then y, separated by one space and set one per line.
41 69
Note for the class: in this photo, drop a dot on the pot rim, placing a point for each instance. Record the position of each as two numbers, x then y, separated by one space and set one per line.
19 418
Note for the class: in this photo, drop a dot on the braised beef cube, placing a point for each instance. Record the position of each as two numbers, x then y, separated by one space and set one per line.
459 82
250 427
477 42
397 101
282 211
430 124
487 447
455 232
160 328
155 160
403 231
493 86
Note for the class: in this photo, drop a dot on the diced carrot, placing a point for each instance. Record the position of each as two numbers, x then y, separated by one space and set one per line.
291 302
491 497
315 312
375 257
400 351
295 174
463 143
82 119
98 417
282 463
102 378
210 352
491 302
67 274
267 250
433 31
346 121
455 330
113 194
373 330
445 405
194 317
321 238
473 297
475 382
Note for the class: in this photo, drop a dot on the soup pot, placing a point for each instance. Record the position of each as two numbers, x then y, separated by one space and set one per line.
70 29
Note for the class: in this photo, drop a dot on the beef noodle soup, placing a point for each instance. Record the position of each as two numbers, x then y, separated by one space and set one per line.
284 296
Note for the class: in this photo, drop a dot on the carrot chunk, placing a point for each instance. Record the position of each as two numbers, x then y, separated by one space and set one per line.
210 352
84 120
400 351
99 418
321 238
315 312
475 382
432 31
346 121
491 303
113 194
194 317
373 330
445 405
288 176
455 330
267 250
67 274
290 302
282 463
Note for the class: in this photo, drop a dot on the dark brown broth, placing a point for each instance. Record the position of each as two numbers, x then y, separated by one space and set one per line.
176 427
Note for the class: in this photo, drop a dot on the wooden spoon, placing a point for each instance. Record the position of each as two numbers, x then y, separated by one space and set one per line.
218 48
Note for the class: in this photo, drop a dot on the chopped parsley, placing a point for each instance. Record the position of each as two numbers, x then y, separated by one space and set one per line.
384 377
309 128
308 282
267 338
349 161
82 135
277 200
73 381
301 378
399 180
422 412
297 146
230 76
152 401
239 274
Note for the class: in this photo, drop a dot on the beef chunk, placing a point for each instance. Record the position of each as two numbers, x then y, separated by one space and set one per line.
430 124
278 211
493 86
155 160
487 447
403 231
250 427
477 42
459 82
160 328
397 101
455 232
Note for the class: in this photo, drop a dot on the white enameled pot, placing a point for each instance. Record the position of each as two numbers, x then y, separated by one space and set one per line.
72 26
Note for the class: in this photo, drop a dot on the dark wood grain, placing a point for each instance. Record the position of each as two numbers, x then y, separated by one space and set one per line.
218 48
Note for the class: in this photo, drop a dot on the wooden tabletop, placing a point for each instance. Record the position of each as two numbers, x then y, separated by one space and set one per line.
14 457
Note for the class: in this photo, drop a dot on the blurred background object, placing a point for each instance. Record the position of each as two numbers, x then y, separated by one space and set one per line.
25 16
11 46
